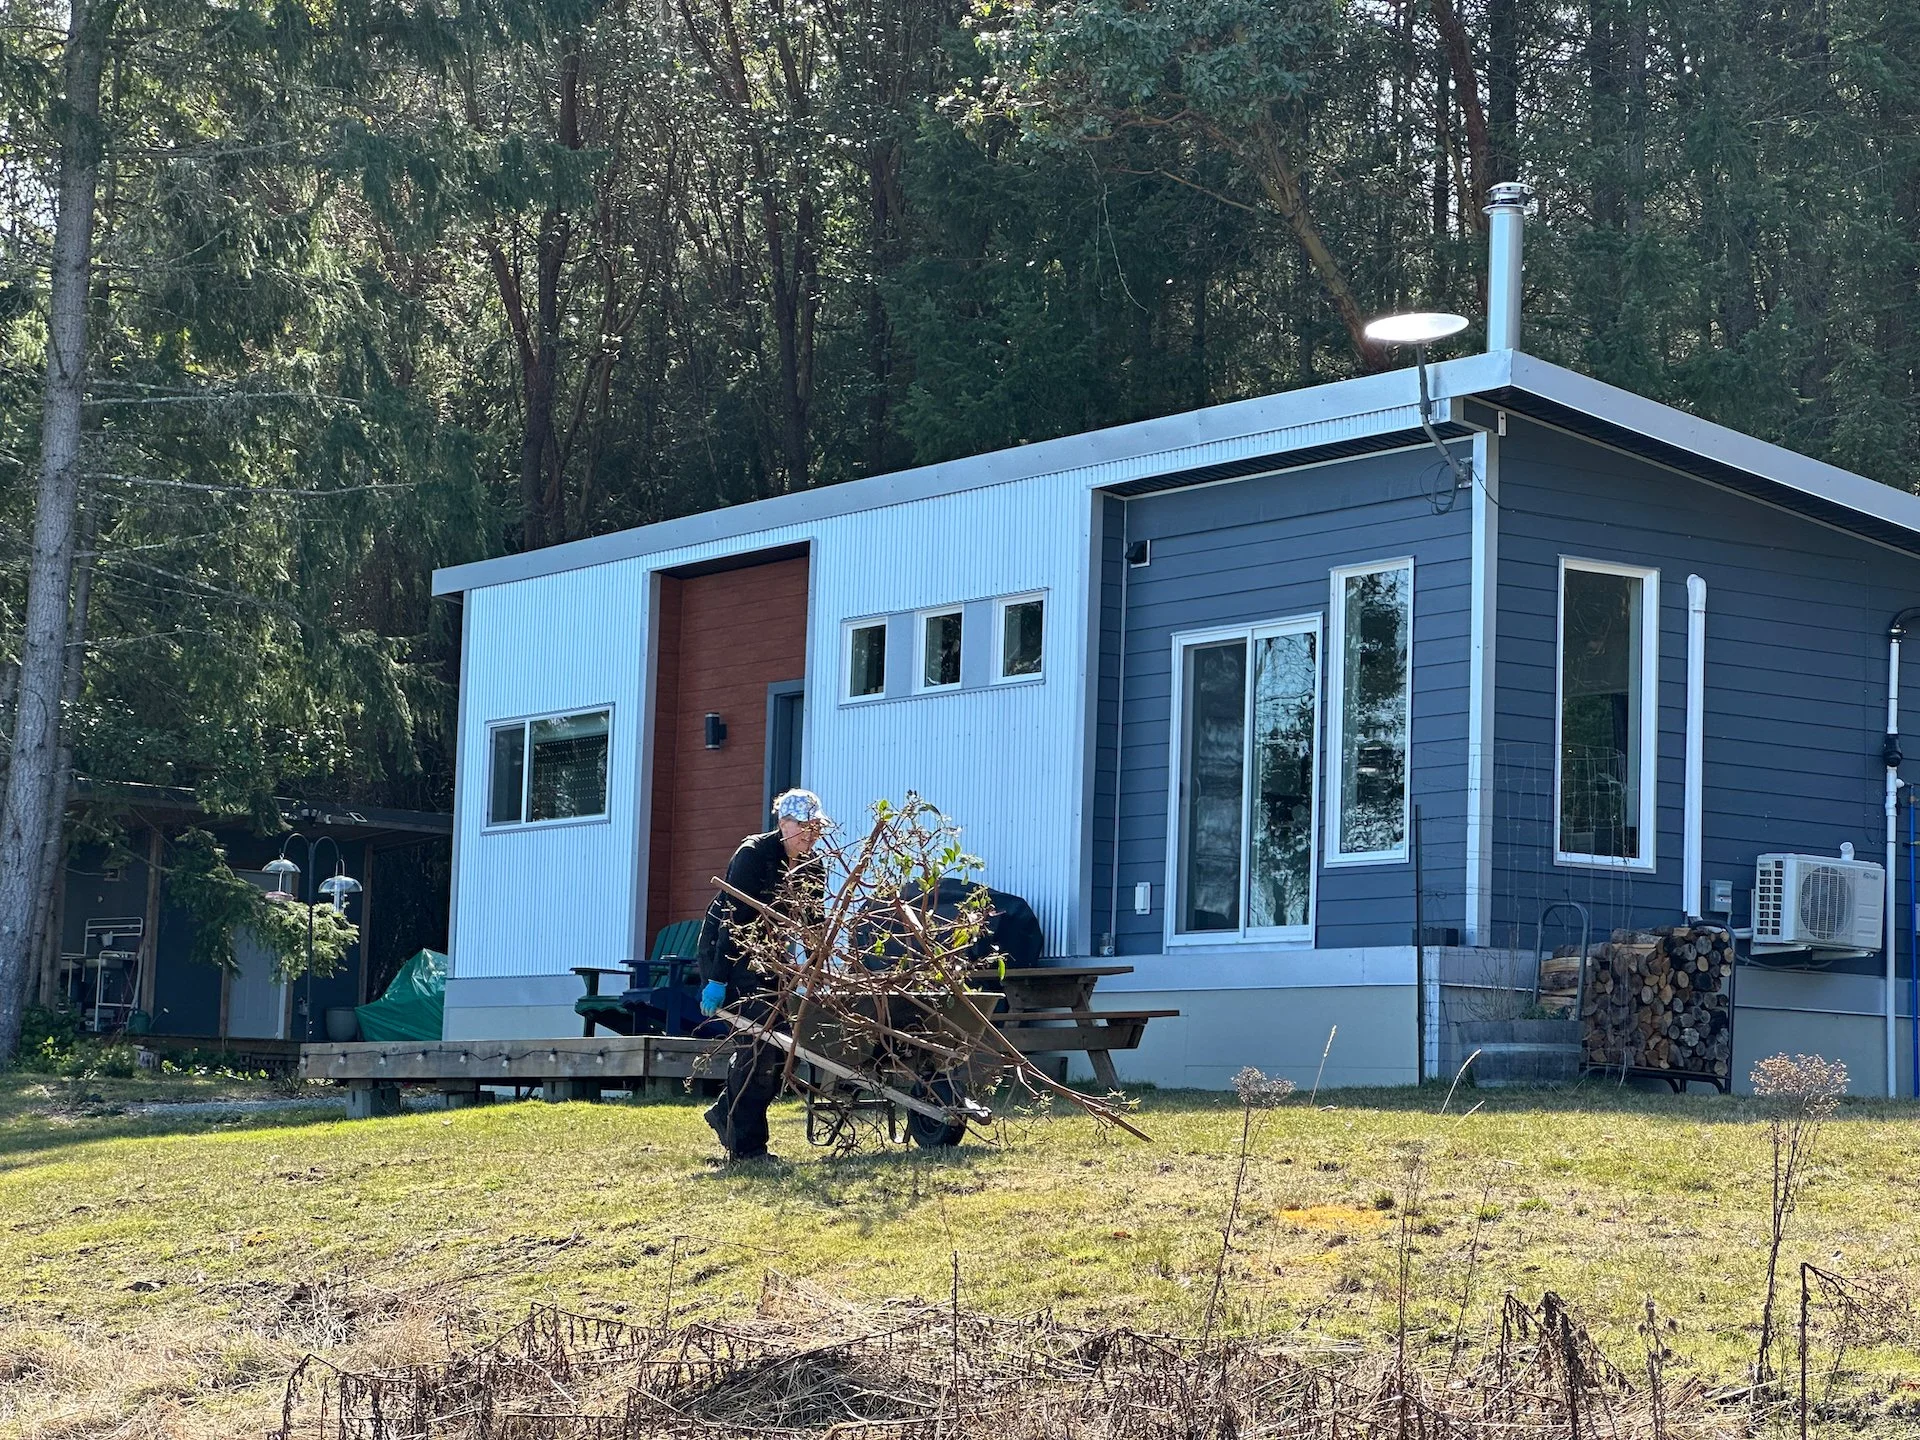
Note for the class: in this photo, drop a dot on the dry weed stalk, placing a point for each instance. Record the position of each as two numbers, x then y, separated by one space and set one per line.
1801 1092
808 1364
1257 1092
894 969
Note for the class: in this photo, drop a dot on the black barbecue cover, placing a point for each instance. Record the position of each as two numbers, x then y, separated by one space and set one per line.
1012 930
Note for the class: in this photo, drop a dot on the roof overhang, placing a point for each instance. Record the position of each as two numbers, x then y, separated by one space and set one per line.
1297 427
332 815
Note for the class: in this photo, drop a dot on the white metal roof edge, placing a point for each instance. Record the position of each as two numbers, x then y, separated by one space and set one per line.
1170 436
1776 463
1138 445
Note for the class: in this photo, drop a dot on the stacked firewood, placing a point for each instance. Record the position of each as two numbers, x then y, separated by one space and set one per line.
1660 1000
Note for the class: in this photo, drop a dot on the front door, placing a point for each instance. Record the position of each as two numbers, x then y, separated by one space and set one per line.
256 996
786 717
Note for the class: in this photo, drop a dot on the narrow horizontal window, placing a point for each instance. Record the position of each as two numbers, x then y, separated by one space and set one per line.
940 650
1022 637
866 660
1372 688
1604 761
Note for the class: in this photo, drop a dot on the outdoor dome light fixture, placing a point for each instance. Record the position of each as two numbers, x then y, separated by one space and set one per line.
282 870
1420 328
337 887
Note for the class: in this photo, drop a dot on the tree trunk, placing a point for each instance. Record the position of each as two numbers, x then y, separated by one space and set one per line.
28 815
1458 46
1503 88
1283 186
47 878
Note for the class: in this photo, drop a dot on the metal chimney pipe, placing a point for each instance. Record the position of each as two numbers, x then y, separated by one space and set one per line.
1506 217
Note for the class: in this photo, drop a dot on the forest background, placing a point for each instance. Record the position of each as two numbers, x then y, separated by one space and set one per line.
376 286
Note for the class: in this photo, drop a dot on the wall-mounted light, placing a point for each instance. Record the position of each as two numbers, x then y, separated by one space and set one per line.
716 731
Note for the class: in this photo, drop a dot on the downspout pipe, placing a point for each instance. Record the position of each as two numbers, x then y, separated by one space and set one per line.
1693 837
1891 757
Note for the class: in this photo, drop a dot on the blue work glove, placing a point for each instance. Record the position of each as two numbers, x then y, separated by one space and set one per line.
712 996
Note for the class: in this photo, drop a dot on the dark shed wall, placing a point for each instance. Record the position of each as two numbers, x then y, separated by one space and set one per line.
1795 673
1262 549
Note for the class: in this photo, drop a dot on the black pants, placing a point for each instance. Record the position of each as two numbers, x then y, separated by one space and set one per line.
753 1079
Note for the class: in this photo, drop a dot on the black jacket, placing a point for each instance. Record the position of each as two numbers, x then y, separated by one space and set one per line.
759 868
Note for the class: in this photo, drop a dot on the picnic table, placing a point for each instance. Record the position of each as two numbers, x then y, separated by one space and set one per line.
1048 1009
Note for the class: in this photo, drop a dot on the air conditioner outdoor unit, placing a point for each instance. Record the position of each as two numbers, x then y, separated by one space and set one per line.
1817 902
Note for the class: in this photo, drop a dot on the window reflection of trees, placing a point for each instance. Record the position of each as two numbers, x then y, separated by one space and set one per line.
1600 714
1281 862
1373 711
1215 727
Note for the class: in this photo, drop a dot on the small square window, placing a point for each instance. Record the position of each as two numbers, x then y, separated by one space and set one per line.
1022 637
866 660
940 650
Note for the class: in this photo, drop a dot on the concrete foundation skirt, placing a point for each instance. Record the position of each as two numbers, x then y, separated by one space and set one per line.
1522 1052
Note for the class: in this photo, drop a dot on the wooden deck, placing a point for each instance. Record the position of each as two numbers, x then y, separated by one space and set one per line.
564 1069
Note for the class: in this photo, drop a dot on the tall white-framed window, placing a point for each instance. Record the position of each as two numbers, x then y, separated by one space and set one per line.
866 659
1020 632
1369 712
939 646
1244 807
1606 714
548 769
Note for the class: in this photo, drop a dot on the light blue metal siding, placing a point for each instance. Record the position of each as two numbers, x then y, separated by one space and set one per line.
1795 699
535 899
1263 549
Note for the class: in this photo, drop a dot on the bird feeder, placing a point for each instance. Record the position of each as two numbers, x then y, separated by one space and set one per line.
282 870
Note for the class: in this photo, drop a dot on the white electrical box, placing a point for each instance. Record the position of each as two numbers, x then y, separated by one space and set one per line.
1815 902
1143 898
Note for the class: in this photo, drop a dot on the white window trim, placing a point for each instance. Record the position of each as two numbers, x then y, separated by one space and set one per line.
1000 676
847 629
1649 709
920 618
525 725
1293 936
1336 713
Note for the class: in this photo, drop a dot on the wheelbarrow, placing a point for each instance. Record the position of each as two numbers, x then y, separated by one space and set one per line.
907 1063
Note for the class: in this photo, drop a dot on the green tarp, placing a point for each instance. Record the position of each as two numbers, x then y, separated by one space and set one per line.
413 1005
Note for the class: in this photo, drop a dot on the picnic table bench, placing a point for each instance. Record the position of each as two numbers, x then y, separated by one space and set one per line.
1048 1010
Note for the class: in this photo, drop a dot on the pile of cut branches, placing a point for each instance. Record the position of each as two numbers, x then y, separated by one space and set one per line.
810 1365
889 984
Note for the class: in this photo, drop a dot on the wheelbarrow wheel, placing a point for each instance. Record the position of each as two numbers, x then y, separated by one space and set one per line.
924 1130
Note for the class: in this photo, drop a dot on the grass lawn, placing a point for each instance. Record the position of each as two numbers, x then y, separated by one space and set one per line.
160 1272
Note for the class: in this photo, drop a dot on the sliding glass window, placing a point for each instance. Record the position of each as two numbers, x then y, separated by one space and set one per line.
1248 706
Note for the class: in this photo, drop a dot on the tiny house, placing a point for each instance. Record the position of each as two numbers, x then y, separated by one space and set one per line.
1324 711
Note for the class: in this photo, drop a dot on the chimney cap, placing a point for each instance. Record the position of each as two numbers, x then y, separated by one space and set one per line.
1509 194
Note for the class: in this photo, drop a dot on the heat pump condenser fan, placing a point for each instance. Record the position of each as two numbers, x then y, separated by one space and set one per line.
1818 902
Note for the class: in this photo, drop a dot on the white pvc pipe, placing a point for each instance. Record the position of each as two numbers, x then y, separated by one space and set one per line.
1893 805
1693 838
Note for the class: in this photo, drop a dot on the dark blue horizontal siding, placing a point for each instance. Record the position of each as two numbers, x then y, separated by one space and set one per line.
1795 674
1263 549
